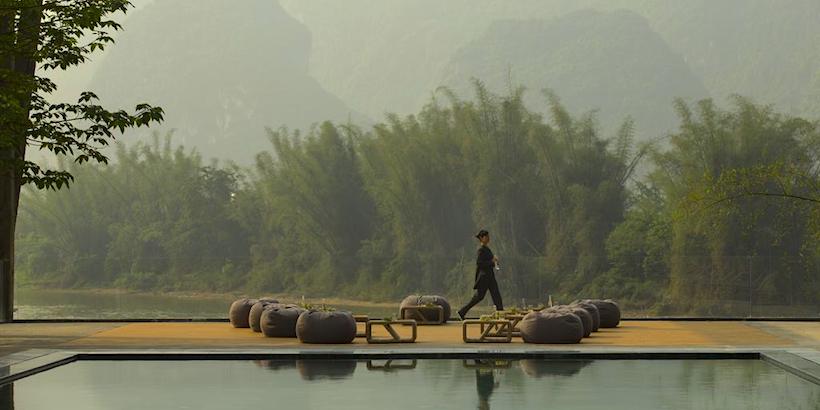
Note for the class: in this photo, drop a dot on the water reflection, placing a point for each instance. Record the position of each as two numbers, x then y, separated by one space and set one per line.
485 382
312 369
545 368
315 370
411 384
391 365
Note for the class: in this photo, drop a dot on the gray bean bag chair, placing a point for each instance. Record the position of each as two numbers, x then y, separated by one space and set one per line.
415 300
593 311
314 370
326 327
551 327
608 310
586 318
280 320
239 312
256 312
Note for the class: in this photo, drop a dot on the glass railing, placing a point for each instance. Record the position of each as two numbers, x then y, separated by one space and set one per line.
700 287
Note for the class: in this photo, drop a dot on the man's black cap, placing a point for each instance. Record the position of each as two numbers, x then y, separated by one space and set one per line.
482 233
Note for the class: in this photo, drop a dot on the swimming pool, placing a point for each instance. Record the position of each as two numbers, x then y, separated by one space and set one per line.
413 384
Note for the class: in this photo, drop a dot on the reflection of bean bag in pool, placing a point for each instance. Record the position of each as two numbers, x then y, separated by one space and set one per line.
586 318
326 327
276 364
239 312
541 368
551 327
415 300
593 312
609 311
280 320
311 370
256 313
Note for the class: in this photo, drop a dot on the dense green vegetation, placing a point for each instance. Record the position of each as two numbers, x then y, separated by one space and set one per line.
380 212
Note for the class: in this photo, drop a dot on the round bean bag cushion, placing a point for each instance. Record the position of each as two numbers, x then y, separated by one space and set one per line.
586 318
256 313
415 300
608 310
593 311
543 368
551 327
239 312
312 370
314 326
279 320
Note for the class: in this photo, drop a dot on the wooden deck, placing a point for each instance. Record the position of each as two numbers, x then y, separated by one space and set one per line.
16 337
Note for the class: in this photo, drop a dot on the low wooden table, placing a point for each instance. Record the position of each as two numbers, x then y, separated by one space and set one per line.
361 319
492 331
394 335
417 313
515 318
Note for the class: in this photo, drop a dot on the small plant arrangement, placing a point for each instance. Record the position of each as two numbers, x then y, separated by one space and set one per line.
316 307
492 316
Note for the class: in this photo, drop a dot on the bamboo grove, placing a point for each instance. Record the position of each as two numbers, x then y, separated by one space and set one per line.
721 213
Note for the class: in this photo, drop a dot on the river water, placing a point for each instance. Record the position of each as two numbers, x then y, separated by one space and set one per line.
74 304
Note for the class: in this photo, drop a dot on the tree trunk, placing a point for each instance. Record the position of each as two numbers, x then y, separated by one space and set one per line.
25 42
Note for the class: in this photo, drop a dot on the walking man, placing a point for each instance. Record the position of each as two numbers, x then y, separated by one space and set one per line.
484 276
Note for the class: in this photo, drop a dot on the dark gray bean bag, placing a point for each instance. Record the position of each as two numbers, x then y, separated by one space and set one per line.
586 318
326 327
608 310
593 311
280 320
313 370
543 368
256 313
551 327
239 312
415 300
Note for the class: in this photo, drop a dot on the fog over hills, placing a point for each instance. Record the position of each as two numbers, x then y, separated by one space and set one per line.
612 62
222 70
225 70
387 55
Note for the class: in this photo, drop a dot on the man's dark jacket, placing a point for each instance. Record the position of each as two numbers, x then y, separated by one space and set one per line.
484 267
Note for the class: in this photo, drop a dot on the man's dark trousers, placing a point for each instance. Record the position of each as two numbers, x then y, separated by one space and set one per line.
485 282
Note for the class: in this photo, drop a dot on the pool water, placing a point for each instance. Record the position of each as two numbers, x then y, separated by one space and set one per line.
409 384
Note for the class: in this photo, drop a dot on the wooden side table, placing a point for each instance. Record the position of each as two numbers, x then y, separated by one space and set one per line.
515 318
361 319
394 335
417 313
492 331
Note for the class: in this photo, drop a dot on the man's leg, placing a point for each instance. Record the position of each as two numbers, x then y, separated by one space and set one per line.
477 297
496 295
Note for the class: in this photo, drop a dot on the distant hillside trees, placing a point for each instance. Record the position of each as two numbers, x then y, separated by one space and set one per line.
381 212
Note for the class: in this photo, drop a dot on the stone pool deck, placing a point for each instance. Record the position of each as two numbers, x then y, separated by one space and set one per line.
28 348
631 334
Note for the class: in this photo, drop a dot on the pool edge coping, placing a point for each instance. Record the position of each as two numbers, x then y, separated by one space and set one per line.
786 360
